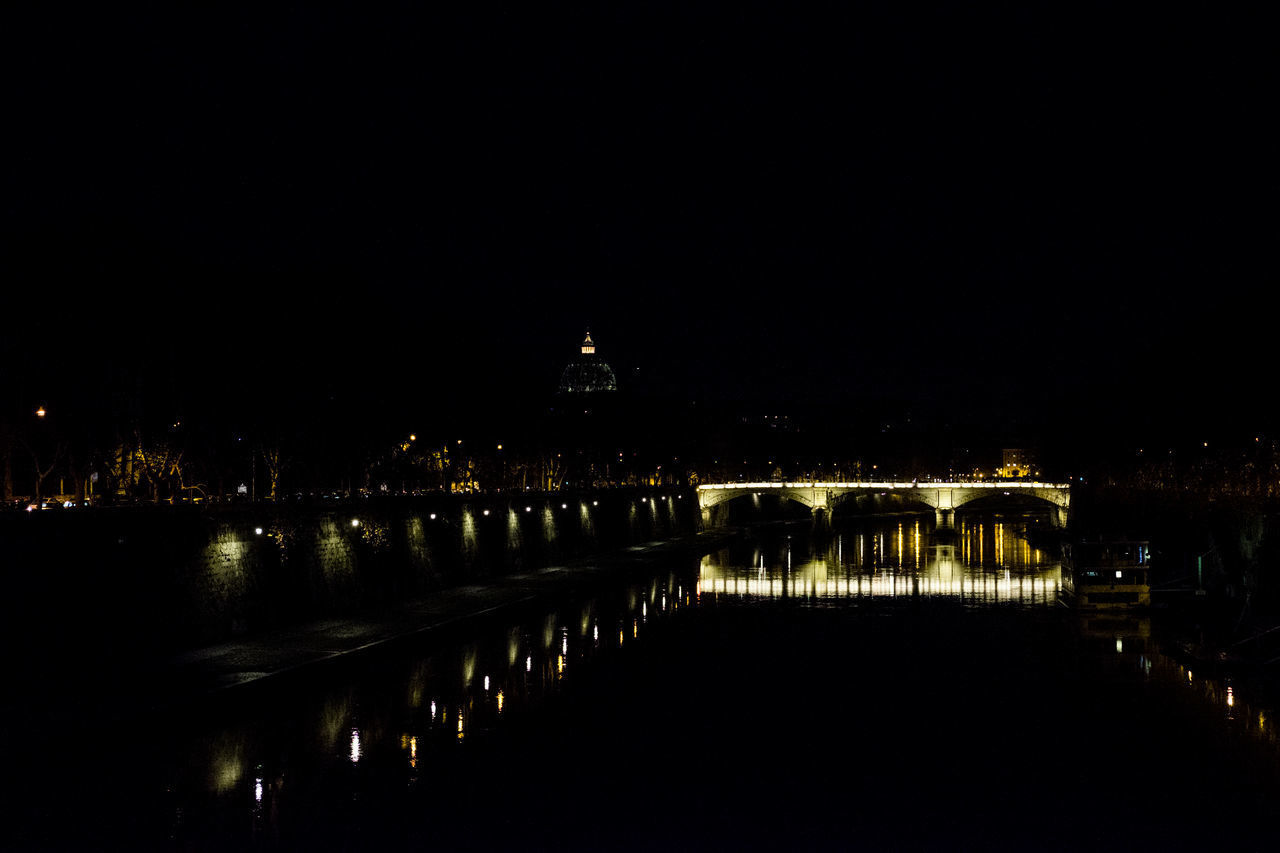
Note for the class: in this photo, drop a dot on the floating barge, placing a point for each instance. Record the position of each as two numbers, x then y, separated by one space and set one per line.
1108 573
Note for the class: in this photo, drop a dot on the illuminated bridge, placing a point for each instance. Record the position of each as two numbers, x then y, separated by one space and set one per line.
943 498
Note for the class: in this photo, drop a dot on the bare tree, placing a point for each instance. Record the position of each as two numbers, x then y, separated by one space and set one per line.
272 464
553 469
43 471
158 463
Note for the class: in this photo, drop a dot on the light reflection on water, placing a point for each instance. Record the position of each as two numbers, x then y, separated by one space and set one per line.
398 725
446 698
1124 646
980 563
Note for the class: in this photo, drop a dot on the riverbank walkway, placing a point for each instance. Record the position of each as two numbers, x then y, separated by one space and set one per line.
197 676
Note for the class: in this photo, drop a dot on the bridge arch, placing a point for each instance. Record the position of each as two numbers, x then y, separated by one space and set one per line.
897 500
710 500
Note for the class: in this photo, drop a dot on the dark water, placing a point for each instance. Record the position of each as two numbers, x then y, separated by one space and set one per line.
890 689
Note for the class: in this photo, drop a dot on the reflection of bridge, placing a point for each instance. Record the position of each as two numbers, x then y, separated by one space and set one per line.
943 577
944 498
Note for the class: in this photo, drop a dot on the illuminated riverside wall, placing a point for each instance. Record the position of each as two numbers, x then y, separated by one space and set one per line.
168 577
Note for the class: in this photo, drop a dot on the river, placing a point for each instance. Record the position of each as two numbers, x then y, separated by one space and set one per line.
891 687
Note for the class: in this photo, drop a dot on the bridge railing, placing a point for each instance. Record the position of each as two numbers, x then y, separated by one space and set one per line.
878 484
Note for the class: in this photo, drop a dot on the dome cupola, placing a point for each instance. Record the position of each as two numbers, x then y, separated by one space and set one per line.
588 373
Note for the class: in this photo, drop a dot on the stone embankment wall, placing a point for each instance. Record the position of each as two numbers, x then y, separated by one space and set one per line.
159 578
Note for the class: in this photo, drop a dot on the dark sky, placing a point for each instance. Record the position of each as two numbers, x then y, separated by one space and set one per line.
1071 206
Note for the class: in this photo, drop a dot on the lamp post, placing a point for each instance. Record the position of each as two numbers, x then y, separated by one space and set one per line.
34 448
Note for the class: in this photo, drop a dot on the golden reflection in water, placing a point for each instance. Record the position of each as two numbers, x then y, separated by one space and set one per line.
355 746
226 765
513 646
469 656
1240 715
941 576
416 688
334 714
500 700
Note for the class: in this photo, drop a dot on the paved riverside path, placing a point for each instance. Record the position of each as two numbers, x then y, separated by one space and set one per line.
197 675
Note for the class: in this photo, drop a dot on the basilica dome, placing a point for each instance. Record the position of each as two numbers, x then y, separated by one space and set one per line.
587 374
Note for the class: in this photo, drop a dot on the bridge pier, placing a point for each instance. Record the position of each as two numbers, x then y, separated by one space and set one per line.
706 517
821 520
944 518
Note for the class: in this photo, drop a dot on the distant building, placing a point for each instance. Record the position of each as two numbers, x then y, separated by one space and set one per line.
782 423
1017 463
588 373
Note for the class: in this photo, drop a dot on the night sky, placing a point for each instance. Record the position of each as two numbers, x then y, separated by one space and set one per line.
959 213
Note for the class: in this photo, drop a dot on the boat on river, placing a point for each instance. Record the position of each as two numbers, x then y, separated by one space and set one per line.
1108 573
